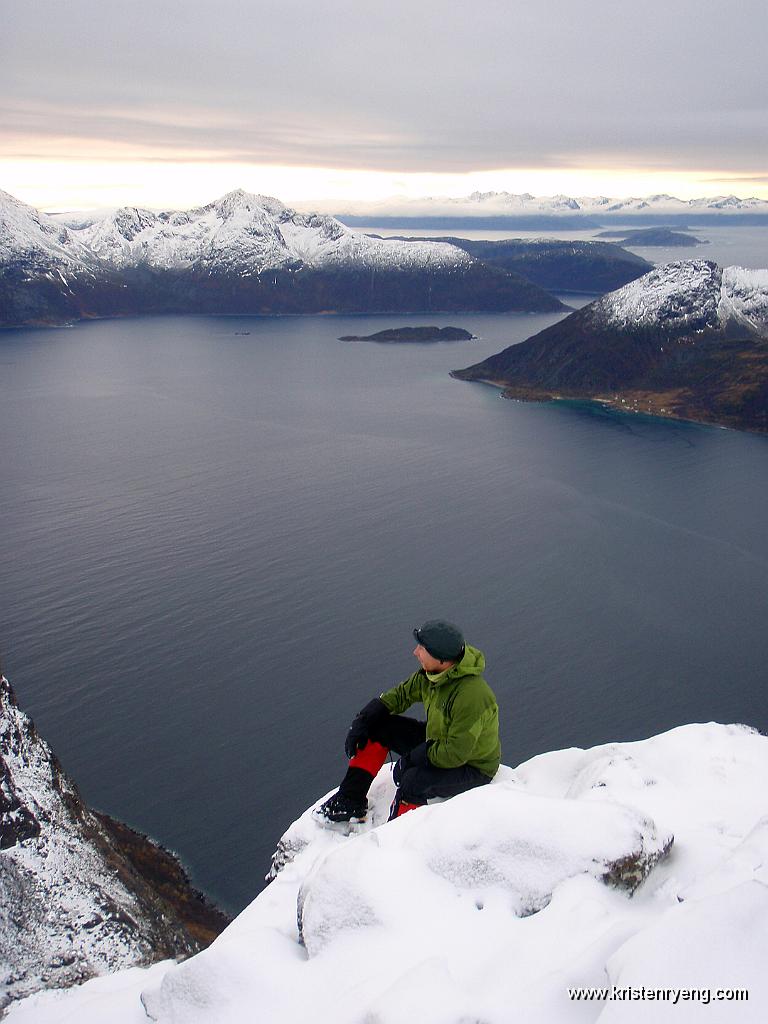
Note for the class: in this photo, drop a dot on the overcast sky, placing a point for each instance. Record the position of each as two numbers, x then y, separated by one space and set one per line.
397 88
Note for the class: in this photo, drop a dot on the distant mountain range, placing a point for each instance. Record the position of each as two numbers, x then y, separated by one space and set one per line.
240 254
688 340
504 210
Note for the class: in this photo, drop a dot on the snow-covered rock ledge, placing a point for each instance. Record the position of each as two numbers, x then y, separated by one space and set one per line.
489 907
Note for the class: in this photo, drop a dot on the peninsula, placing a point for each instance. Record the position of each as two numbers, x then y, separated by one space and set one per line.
688 340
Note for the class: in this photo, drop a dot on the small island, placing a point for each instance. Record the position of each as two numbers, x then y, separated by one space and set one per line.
653 236
396 334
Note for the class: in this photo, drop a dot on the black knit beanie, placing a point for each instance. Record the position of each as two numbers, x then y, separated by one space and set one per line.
441 639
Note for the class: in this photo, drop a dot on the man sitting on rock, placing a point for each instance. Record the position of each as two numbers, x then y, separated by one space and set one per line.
456 749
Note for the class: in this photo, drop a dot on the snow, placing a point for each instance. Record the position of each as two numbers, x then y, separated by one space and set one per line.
692 295
510 204
488 907
67 912
720 942
240 233
686 290
31 237
249 235
745 297
107 1000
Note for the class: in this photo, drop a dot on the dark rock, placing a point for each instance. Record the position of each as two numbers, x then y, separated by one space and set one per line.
17 821
630 871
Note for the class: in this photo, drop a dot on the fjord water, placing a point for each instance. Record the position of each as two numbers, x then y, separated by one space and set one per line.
218 534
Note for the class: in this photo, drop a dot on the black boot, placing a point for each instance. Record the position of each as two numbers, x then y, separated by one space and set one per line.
339 809
350 802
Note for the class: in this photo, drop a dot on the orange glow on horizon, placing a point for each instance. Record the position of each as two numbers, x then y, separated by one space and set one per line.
56 184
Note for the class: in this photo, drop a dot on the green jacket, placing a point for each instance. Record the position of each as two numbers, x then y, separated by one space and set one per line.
462 713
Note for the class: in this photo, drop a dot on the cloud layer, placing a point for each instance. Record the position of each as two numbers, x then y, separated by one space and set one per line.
435 85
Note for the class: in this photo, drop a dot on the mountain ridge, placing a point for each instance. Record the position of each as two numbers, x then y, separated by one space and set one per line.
239 254
585 210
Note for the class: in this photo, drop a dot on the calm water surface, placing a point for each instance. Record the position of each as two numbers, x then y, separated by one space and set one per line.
219 532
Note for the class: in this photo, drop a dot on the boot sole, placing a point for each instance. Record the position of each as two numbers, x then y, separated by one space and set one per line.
345 827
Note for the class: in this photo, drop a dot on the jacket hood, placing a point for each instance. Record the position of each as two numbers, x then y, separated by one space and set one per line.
471 664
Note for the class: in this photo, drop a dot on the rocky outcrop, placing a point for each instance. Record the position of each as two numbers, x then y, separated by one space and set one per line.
80 893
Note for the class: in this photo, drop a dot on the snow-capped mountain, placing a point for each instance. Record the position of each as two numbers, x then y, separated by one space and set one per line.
687 339
240 232
498 904
250 234
73 902
241 254
37 240
689 296
597 209
592 205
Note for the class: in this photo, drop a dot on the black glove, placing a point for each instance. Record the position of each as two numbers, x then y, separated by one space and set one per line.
416 758
360 729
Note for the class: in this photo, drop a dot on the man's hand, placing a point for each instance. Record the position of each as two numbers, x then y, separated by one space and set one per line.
360 729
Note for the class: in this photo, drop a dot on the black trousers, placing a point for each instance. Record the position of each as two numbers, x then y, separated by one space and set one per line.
418 785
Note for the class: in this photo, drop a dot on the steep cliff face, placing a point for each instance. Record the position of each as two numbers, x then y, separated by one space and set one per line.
80 894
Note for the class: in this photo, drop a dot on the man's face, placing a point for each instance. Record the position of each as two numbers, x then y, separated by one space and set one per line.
427 662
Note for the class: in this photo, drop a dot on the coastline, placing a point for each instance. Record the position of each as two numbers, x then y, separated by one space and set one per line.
616 403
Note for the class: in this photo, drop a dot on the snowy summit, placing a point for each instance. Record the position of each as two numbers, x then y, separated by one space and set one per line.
239 231
250 234
631 870
691 295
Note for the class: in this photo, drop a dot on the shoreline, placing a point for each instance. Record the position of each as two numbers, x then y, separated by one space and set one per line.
615 404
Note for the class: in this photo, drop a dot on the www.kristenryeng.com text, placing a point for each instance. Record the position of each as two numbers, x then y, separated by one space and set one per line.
644 993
